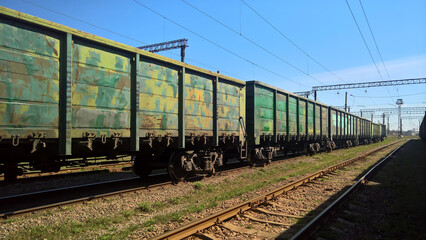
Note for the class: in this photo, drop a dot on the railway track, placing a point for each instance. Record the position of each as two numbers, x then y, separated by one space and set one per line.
309 229
42 200
230 219
75 170
31 202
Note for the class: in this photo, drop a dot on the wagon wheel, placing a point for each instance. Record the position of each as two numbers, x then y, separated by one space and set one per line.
175 169
140 168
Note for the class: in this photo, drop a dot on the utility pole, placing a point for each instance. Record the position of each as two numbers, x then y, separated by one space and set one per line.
399 102
387 129
346 101
383 118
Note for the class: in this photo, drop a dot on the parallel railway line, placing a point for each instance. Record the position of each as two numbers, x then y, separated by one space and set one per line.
42 200
112 167
221 218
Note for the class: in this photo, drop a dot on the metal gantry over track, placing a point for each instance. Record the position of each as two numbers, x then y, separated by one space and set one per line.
392 111
362 85
370 84
164 46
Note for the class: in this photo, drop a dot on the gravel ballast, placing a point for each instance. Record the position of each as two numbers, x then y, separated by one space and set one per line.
150 212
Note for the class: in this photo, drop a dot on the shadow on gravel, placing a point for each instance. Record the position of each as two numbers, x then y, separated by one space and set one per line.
392 206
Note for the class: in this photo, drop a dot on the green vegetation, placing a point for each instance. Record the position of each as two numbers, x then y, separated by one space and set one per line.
203 196
145 207
198 185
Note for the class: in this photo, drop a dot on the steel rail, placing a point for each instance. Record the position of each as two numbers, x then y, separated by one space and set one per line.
40 194
59 191
194 227
308 230
73 170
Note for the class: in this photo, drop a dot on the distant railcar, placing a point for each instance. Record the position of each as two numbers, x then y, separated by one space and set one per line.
280 121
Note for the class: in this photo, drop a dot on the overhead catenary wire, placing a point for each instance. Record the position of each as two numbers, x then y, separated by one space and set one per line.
374 39
365 43
216 44
130 38
375 43
251 41
292 42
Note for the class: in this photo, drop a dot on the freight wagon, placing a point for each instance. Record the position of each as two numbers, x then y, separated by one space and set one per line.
279 121
67 94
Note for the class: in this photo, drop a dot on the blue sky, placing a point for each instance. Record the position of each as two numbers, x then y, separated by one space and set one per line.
325 30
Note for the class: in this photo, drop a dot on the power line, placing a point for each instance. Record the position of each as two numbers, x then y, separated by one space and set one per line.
82 21
122 35
251 41
216 44
291 41
377 47
365 43
363 39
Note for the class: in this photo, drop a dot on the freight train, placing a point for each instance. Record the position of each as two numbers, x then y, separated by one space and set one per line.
67 94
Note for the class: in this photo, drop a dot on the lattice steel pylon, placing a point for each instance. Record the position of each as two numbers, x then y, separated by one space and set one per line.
157 47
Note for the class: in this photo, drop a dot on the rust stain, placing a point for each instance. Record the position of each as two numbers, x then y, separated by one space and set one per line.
50 45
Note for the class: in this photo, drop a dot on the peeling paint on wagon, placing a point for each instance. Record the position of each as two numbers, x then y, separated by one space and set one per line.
230 107
19 115
100 58
310 111
13 36
198 108
100 91
281 114
28 81
292 121
158 99
302 117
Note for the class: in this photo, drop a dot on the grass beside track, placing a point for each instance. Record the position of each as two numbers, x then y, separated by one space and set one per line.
204 196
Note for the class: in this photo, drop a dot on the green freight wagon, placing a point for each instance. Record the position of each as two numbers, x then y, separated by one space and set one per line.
67 94
376 130
346 128
279 121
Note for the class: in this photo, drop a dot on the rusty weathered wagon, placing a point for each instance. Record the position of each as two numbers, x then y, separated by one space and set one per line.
65 94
